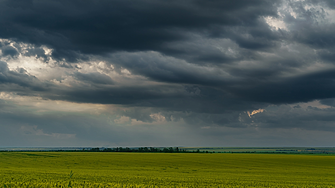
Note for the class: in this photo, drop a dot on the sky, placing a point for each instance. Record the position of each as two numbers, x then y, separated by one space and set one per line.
167 73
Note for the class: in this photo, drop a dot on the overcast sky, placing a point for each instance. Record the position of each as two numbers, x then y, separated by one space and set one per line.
167 73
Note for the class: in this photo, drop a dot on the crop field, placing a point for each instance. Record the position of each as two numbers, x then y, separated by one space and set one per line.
89 169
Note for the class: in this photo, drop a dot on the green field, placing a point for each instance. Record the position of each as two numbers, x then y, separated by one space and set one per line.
52 169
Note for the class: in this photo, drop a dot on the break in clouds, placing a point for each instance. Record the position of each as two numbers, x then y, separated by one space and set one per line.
167 73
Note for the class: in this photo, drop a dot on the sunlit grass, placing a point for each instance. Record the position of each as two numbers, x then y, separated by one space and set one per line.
53 169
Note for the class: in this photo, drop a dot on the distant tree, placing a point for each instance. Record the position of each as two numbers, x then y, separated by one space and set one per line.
94 149
171 149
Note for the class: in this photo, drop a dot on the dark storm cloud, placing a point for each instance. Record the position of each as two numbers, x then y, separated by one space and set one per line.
203 62
96 27
167 69
170 98
266 84
310 26
327 55
95 78
318 85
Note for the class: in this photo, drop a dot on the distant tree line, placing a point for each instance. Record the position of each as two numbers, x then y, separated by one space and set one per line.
172 150
140 149
120 149
178 150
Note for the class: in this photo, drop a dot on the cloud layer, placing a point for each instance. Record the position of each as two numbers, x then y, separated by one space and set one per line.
199 68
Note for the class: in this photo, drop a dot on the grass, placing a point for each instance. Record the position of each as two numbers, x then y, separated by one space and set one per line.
80 169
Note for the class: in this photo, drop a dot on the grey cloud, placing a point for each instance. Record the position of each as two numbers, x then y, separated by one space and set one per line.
310 118
327 55
95 78
23 126
310 26
168 69
20 78
8 50
240 28
105 26
327 3
329 102
13 49
35 51
202 63
303 88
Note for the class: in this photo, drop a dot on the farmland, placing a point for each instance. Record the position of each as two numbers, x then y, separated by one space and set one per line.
90 169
